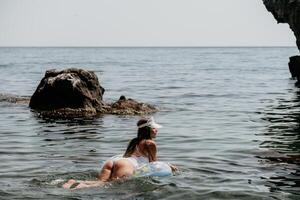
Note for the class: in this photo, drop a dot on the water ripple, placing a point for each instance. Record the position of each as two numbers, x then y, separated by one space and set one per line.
230 125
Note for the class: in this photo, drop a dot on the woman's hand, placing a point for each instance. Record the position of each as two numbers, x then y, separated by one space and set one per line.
173 168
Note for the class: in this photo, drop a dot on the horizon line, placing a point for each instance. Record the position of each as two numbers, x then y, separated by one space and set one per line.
221 46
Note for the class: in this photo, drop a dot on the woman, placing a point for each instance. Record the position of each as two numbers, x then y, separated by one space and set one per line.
140 150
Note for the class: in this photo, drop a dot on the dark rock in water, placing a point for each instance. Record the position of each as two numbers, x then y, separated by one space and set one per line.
294 66
130 107
74 93
67 92
286 11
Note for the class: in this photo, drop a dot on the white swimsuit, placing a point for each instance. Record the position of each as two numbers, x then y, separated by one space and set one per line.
142 166
136 161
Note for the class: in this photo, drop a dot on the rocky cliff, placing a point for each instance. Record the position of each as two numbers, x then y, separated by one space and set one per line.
288 11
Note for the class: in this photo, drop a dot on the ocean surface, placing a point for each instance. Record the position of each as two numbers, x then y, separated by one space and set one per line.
230 116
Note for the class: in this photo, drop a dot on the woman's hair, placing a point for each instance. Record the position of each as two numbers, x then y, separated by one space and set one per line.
142 134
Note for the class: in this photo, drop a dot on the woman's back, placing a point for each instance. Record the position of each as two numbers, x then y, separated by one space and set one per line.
145 148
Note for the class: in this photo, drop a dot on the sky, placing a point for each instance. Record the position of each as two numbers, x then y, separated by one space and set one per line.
140 23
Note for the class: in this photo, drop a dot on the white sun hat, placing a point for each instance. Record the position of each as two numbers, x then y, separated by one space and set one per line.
151 123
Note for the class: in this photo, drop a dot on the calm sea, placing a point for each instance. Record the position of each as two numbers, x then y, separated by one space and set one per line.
229 115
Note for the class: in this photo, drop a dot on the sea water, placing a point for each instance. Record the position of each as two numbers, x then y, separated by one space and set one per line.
229 115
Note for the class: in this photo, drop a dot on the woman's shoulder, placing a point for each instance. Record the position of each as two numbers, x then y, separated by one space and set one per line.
149 143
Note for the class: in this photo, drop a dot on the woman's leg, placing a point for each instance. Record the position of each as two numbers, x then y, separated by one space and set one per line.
116 169
88 184
106 171
110 170
103 176
122 168
73 184
69 184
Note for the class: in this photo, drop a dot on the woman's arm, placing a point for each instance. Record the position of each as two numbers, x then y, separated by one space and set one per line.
150 147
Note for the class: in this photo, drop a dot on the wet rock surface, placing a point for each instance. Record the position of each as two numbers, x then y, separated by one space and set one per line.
288 11
72 88
130 107
294 66
14 99
72 93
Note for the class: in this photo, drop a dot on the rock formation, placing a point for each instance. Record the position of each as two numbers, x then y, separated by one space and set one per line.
23 100
77 93
68 91
130 107
288 11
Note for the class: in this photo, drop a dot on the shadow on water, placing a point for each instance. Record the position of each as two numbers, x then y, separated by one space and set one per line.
69 122
77 128
282 145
